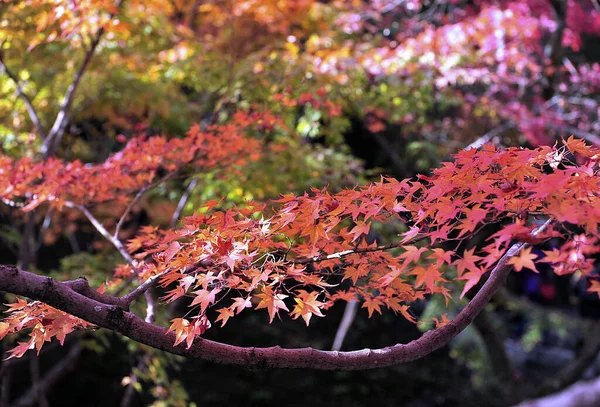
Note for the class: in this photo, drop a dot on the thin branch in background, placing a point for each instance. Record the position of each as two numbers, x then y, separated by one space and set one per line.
490 135
100 228
592 138
56 132
397 164
577 367
585 394
73 242
496 353
150 315
60 369
182 201
345 324
21 93
40 395
133 379
45 225
136 199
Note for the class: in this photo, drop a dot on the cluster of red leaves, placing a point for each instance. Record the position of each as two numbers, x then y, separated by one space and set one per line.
44 321
313 248
28 183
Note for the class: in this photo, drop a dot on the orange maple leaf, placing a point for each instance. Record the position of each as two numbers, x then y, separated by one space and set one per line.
272 302
524 259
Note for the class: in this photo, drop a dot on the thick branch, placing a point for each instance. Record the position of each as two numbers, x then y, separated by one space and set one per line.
61 296
20 93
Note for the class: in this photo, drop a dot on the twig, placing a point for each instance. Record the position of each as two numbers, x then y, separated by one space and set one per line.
343 253
142 289
44 228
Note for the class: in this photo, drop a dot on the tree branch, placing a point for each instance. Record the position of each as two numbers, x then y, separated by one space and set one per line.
136 199
100 228
21 93
490 135
182 201
61 296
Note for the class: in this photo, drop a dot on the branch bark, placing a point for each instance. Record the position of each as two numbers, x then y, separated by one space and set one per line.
61 296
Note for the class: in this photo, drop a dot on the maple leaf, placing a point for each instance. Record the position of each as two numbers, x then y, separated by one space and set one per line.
4 329
372 304
524 259
472 277
360 229
307 306
389 277
272 301
412 253
594 287
205 298
20 349
239 304
442 321
224 315
467 262
578 146
181 328
412 232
